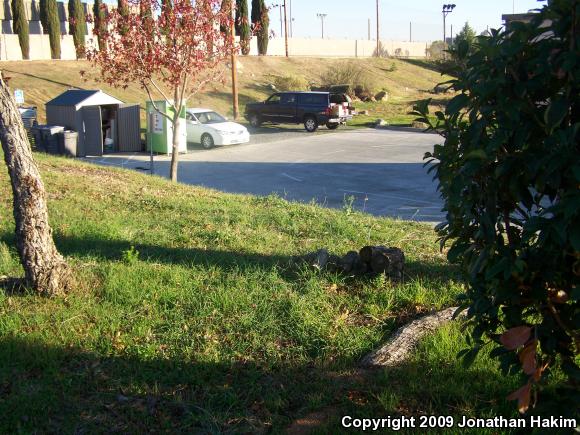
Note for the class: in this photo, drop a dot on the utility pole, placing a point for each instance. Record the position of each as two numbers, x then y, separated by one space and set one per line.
378 33
322 17
285 28
451 37
234 63
410 32
369 29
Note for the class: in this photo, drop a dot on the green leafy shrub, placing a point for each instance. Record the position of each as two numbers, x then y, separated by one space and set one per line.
290 82
509 173
359 82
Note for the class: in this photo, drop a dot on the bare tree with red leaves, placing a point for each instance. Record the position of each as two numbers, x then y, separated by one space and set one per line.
173 52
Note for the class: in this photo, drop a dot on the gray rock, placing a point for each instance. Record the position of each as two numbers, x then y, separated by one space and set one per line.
441 89
421 125
379 123
382 96
319 259
349 260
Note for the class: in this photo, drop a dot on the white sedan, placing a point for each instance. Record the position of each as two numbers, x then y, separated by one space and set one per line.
209 128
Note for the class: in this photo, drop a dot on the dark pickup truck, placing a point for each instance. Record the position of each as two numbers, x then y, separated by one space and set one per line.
311 108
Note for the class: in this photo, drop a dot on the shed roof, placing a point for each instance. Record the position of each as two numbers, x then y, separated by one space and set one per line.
81 97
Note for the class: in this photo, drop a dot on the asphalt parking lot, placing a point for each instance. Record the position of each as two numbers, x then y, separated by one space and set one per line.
377 171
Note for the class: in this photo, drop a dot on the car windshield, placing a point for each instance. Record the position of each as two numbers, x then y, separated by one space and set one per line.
209 117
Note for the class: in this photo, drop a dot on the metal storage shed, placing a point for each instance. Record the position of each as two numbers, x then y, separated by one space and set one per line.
96 116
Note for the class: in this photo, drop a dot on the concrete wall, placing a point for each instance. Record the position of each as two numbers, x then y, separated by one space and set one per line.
340 47
39 47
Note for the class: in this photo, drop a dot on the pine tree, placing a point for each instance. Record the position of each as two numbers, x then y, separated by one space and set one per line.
77 26
98 22
260 24
42 5
53 24
20 27
466 34
243 25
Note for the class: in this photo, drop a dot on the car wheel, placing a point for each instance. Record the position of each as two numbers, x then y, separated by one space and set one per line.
310 124
207 141
332 125
255 121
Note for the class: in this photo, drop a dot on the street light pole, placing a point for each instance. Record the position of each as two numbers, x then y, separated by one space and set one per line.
322 17
447 9
378 33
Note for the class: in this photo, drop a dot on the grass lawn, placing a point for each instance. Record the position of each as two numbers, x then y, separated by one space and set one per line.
189 316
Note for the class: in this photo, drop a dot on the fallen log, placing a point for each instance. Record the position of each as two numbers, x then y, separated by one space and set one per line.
399 347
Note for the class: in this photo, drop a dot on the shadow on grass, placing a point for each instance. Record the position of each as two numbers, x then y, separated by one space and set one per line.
113 250
422 63
68 85
54 389
290 266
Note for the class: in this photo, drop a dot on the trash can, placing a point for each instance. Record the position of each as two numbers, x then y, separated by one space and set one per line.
37 138
68 143
49 138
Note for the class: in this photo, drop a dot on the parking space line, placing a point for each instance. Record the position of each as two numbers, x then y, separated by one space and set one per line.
291 177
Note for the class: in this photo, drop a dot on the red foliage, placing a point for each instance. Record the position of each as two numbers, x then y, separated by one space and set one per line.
172 49
179 48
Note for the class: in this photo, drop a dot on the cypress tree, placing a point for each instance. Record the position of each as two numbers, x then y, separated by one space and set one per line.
20 27
53 23
243 24
261 22
99 21
226 8
256 12
123 9
76 17
42 5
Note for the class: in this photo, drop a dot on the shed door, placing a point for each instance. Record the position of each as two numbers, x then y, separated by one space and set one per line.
93 130
129 127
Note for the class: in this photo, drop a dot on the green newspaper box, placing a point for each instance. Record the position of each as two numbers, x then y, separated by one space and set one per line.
160 131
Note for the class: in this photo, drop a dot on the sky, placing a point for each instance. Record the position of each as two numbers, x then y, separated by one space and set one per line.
349 18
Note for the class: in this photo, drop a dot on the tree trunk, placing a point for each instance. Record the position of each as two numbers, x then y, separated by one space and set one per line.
174 149
45 269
